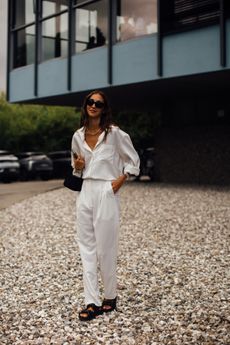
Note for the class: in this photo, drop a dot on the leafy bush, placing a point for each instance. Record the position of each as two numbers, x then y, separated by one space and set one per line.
141 126
34 127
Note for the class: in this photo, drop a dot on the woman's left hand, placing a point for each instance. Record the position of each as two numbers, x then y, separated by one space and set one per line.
116 184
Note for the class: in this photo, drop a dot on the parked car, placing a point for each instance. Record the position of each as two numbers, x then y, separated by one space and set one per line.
34 165
61 163
9 166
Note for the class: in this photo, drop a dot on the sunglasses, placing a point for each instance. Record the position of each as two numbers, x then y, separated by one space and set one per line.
98 104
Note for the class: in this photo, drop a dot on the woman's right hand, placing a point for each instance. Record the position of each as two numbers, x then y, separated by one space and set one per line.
79 162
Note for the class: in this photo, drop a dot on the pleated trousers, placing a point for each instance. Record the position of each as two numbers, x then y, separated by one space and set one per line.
98 210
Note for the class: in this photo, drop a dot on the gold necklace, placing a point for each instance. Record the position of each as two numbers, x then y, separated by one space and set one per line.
93 133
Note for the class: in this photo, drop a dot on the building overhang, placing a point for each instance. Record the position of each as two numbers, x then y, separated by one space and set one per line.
140 96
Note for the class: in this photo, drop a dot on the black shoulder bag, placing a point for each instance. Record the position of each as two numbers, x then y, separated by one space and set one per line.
73 182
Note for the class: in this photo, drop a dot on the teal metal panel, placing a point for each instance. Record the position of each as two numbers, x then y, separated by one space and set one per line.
89 69
52 77
190 52
21 84
135 60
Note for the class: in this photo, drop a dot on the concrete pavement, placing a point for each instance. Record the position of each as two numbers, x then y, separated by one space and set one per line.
10 193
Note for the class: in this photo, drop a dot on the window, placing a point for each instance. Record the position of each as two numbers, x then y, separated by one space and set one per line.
23 32
54 28
179 15
55 37
24 46
191 12
91 25
135 20
50 7
24 12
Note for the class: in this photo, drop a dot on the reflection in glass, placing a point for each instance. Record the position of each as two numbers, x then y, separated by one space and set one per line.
134 20
24 46
78 2
55 37
50 7
23 12
91 26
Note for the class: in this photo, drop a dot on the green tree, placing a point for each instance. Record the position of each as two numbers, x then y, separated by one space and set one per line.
36 128
141 126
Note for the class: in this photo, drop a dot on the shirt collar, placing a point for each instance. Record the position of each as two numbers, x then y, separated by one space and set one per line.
81 132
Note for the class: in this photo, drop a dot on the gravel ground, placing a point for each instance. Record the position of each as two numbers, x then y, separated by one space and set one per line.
173 270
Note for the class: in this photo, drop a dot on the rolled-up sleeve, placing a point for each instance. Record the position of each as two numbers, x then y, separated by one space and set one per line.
129 156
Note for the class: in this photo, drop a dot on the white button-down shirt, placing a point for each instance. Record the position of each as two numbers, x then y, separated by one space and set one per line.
110 158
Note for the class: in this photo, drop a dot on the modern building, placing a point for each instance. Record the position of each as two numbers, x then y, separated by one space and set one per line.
174 54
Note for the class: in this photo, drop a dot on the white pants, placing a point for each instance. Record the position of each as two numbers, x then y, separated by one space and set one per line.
97 236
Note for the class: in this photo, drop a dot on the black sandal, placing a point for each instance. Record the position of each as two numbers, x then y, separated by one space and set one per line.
91 312
109 305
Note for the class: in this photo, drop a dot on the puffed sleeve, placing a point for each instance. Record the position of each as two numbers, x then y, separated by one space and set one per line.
75 149
128 154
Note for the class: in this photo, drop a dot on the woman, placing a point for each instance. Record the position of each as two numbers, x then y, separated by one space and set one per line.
104 156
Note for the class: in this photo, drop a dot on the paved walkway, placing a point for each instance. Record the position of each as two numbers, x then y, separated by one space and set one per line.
11 193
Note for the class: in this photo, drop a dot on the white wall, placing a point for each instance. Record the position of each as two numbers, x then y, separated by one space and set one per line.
3 40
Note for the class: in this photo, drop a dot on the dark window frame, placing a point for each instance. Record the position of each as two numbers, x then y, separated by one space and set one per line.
170 20
42 19
41 36
13 15
39 19
14 33
82 5
14 29
50 15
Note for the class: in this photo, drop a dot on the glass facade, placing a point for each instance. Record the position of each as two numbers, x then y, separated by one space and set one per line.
24 12
24 32
50 7
24 46
135 19
55 37
54 29
180 15
91 25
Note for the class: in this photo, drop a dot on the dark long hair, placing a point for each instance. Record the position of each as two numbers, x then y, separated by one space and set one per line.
106 115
